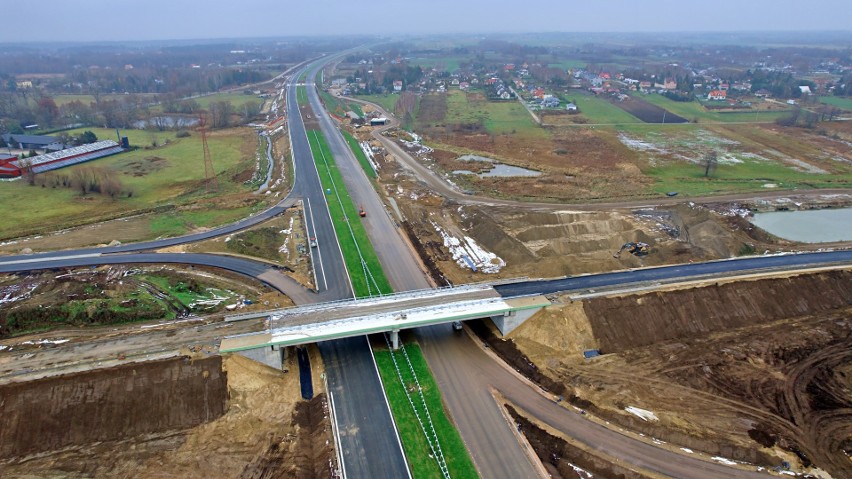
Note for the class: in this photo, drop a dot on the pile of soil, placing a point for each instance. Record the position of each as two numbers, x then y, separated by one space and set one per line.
110 404
267 431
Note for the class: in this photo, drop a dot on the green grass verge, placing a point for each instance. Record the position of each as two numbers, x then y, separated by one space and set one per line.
344 215
388 102
414 442
301 95
839 102
339 106
359 153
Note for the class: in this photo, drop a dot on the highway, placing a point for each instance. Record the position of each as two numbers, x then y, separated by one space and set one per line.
368 442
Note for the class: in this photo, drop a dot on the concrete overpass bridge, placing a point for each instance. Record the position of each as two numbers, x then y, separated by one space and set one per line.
391 313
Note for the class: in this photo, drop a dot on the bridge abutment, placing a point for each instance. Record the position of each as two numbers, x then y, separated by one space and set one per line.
507 322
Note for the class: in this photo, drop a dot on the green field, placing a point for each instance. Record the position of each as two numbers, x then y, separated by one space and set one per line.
237 99
339 106
367 277
499 118
445 63
694 111
359 154
568 64
414 442
167 175
839 102
689 179
600 111
388 102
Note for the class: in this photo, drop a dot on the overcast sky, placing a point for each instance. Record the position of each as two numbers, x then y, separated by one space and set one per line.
102 20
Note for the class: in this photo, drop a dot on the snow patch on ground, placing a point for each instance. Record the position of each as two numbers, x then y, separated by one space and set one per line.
581 472
643 414
803 166
47 341
687 450
15 292
286 233
468 254
368 152
724 461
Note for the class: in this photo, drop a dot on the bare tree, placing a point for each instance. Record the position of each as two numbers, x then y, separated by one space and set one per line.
27 171
711 159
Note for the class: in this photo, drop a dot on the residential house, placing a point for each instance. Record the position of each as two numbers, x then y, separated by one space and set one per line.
670 84
397 85
571 107
645 85
805 89
717 95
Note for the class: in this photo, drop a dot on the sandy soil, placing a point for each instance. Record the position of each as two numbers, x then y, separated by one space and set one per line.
268 431
755 371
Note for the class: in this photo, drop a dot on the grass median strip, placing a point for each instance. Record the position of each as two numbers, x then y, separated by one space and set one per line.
365 271
414 442
367 279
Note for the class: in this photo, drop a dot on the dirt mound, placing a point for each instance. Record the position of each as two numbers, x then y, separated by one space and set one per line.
110 404
306 454
638 320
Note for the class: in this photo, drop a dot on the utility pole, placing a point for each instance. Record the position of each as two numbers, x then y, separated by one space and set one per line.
209 175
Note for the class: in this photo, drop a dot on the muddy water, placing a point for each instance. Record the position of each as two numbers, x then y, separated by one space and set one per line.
813 226
499 169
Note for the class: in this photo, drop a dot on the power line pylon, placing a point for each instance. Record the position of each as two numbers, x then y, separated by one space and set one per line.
209 175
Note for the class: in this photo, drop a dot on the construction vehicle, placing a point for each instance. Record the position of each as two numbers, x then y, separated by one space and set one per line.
636 248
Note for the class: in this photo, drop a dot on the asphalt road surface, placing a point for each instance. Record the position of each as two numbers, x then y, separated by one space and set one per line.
368 442
481 373
680 271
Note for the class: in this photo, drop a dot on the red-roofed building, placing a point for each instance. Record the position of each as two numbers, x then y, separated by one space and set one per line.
717 95
7 168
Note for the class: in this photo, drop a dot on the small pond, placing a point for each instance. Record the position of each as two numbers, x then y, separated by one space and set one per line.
811 226
499 169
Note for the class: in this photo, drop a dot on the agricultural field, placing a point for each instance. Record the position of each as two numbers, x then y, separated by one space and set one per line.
339 106
446 63
598 111
473 112
237 99
696 113
844 103
749 158
168 175
387 101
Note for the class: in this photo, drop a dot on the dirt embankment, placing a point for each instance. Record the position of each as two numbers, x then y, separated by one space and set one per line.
627 322
562 459
110 404
268 431
756 371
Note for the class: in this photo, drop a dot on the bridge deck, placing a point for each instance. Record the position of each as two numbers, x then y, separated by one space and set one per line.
355 318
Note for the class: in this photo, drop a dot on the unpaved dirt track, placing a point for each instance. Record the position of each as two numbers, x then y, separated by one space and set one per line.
470 388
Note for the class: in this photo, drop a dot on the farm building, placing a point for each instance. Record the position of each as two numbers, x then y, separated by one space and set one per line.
13 168
6 169
34 142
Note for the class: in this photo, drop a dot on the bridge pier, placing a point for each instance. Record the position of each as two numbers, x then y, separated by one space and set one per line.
394 336
507 323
